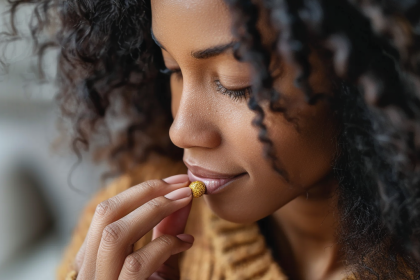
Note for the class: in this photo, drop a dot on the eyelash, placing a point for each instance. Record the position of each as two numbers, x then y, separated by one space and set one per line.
236 95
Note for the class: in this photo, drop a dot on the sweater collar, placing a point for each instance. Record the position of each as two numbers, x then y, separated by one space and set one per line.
240 249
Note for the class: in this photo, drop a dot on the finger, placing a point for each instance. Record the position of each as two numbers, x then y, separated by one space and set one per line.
142 263
174 224
78 261
115 208
154 276
118 238
181 178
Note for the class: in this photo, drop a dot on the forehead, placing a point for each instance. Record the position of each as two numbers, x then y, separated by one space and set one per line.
195 24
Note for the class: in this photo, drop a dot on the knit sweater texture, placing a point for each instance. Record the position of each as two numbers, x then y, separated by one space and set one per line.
222 250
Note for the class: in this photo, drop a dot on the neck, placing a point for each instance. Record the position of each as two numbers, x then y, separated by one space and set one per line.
305 234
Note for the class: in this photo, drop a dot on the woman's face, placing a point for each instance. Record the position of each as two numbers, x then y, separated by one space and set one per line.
214 128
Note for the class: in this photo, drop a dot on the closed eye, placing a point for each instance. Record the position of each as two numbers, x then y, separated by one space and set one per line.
236 95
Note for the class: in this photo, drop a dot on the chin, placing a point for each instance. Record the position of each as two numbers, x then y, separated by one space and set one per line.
233 214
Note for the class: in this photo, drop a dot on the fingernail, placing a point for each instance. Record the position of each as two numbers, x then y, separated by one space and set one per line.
179 193
186 238
181 178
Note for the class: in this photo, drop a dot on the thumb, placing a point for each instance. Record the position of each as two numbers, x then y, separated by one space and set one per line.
173 224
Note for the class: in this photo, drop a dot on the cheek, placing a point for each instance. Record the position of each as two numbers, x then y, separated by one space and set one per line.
305 156
263 191
306 149
304 137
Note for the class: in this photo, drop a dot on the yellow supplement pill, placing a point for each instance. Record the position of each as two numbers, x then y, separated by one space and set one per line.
198 188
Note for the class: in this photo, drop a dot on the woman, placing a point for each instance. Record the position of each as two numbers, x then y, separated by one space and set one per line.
300 116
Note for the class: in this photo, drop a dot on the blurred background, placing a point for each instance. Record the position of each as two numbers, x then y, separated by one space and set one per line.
38 206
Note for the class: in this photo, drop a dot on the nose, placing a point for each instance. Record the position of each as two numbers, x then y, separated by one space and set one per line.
195 123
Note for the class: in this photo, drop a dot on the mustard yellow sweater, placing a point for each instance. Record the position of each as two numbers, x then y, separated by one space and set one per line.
222 250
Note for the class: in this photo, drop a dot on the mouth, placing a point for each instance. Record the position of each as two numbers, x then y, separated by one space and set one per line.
214 181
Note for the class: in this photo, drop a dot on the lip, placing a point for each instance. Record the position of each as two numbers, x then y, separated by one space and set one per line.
214 181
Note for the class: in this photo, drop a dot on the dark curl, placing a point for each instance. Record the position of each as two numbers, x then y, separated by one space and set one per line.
108 76
108 58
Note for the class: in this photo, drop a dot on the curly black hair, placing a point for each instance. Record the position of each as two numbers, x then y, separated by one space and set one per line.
109 66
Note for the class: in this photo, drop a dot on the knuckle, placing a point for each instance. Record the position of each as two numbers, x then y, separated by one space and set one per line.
112 233
135 262
156 203
168 240
151 185
106 207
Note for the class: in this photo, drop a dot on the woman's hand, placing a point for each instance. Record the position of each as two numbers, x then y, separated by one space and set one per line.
119 222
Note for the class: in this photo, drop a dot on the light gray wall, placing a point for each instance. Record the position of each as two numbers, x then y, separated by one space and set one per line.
38 209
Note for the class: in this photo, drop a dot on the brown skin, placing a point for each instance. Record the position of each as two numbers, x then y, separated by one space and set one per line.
215 132
119 222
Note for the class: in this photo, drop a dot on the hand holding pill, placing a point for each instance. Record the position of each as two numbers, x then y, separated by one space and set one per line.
119 222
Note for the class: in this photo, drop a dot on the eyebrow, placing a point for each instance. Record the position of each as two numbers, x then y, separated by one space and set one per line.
202 54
